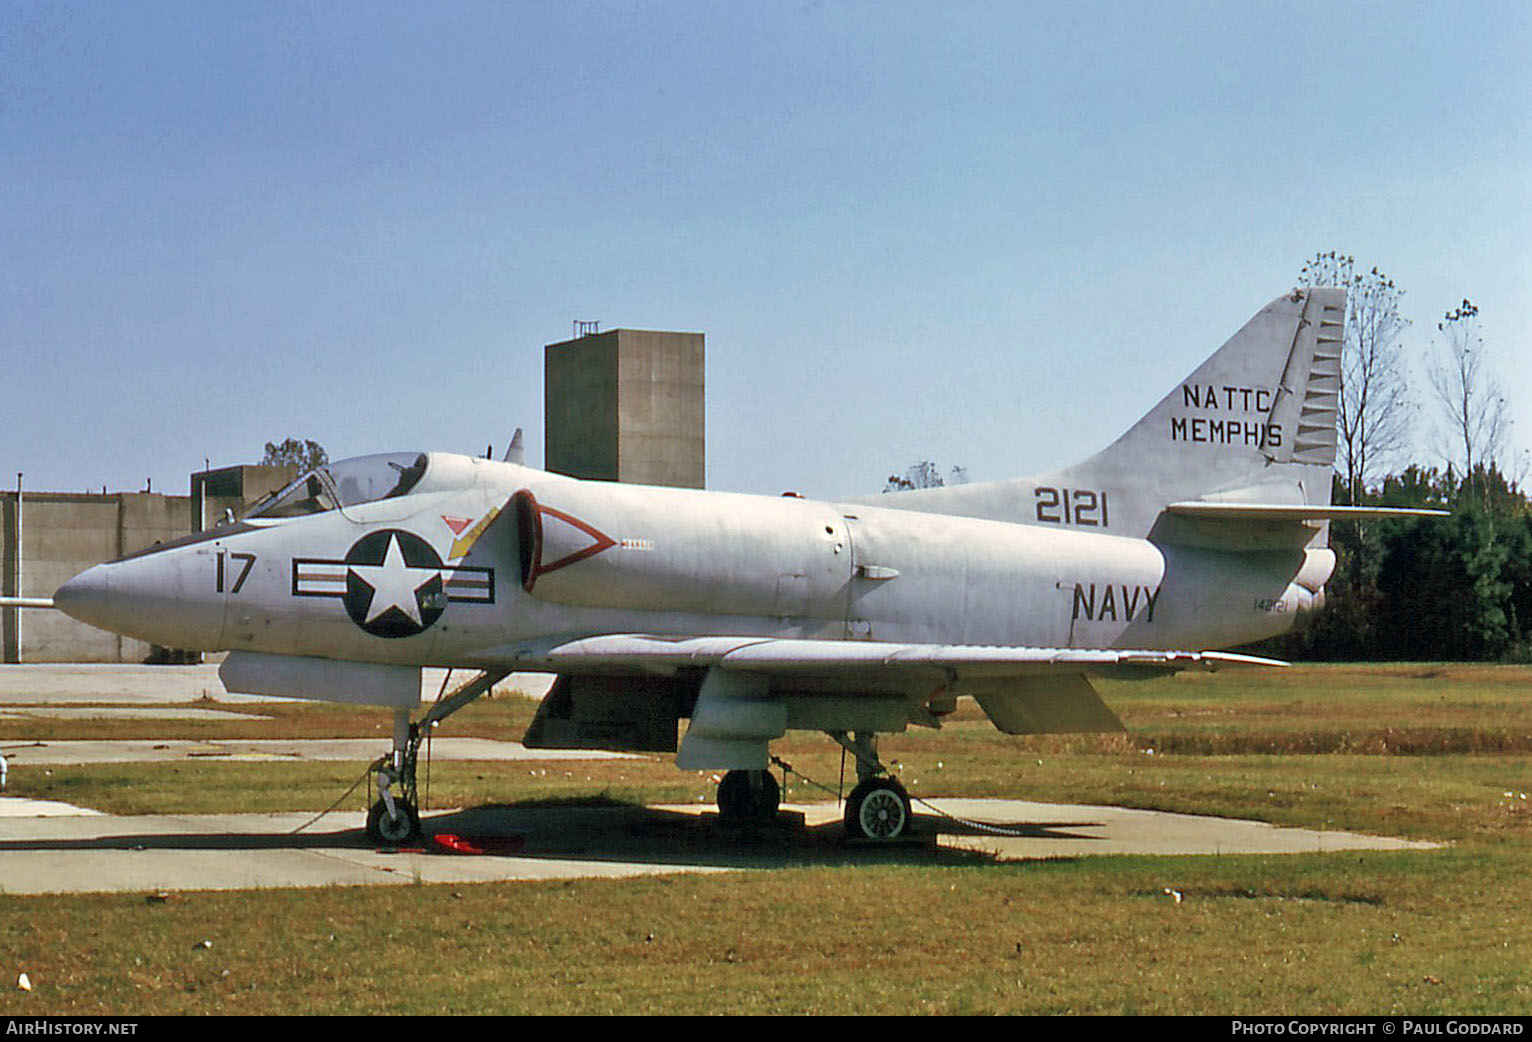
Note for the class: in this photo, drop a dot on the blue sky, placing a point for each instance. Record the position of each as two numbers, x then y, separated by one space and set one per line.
984 234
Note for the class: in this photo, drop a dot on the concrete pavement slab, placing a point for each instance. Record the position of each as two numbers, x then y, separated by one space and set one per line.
51 683
1014 830
22 807
104 853
330 750
73 712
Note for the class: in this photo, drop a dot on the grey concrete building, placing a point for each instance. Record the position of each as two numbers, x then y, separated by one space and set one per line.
626 405
49 537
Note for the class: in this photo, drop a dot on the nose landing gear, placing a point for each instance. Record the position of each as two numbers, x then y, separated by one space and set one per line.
394 819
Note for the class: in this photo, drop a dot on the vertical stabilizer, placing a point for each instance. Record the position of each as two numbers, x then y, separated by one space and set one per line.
1253 423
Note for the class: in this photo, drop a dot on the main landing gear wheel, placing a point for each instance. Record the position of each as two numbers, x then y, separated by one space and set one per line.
749 796
879 809
400 827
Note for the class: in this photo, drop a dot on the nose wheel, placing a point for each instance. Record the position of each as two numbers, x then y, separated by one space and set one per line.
394 819
393 826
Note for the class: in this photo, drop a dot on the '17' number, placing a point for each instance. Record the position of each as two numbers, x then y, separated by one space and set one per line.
247 561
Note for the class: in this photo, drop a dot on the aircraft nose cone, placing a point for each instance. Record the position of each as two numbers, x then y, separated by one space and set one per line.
162 598
87 597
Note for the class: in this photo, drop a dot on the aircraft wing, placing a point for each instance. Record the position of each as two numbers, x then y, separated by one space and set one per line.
1022 690
632 651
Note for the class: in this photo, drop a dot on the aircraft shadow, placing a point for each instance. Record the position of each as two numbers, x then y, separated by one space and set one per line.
604 832
1022 830
252 841
630 832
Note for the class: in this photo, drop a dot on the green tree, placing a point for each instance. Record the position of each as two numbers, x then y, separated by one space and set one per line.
1442 591
1372 427
1431 588
305 455
1461 587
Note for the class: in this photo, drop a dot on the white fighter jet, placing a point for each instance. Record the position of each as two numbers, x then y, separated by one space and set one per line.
1202 527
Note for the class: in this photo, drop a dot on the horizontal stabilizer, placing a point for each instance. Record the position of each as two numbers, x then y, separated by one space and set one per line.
1294 512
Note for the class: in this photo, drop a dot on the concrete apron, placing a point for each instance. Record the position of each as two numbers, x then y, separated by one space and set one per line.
57 849
64 683
359 751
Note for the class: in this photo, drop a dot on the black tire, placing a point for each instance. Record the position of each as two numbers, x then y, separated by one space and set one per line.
393 831
879 809
740 800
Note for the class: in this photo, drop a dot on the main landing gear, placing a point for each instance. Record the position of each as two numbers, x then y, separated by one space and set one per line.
748 796
879 807
394 819
877 811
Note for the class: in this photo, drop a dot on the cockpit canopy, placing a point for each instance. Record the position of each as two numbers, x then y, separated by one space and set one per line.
347 483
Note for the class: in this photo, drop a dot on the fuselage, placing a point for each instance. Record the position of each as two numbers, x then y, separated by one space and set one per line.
482 563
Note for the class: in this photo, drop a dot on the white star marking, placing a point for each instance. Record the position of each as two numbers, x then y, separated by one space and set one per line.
394 583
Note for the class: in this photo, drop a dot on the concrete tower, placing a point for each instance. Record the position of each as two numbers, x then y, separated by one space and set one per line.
626 405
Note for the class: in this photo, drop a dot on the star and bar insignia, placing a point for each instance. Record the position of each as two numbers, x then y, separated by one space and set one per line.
392 583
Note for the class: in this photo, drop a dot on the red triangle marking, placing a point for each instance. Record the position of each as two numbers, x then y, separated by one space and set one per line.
457 524
600 541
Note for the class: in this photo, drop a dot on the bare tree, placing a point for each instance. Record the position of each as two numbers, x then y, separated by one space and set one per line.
925 474
1469 394
1375 405
921 475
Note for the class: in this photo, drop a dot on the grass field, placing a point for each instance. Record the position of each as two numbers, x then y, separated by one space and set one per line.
1434 752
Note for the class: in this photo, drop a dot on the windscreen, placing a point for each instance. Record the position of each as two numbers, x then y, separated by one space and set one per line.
348 483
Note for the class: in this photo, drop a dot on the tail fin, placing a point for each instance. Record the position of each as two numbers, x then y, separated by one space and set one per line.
1255 423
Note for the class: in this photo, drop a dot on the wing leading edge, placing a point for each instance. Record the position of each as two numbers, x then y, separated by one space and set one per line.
777 655
1021 690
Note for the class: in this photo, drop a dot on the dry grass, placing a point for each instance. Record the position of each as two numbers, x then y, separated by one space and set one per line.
1403 933
1435 752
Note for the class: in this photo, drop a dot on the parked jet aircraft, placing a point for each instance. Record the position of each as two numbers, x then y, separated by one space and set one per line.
1203 526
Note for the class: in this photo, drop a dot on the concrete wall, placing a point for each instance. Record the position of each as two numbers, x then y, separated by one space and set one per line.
627 405
62 534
